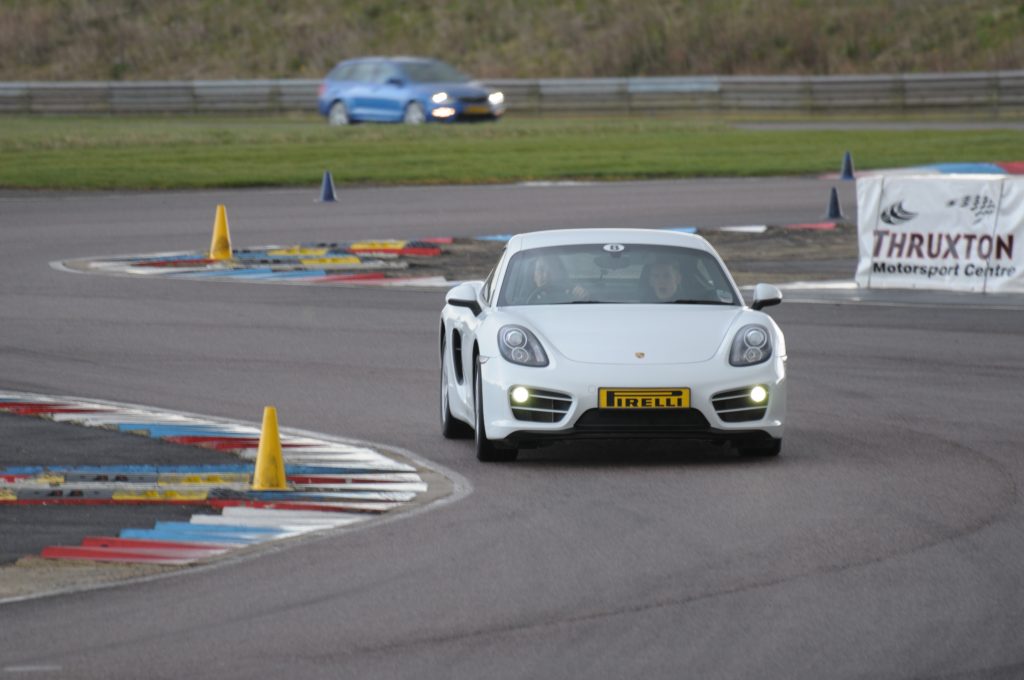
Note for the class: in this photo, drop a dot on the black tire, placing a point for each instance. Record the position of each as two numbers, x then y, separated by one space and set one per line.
486 451
766 450
451 427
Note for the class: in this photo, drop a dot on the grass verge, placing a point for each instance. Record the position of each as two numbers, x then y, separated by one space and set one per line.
102 152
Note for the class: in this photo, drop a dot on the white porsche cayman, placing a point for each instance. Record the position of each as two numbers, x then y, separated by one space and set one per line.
610 333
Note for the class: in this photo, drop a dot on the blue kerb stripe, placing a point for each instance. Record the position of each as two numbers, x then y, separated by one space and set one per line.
169 258
681 230
158 431
494 237
970 168
183 537
276 275
219 273
164 430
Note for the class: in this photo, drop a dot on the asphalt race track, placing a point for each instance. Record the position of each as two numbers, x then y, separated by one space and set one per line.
886 542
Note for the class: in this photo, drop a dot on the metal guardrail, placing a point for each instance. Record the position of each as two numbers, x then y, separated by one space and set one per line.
198 96
994 93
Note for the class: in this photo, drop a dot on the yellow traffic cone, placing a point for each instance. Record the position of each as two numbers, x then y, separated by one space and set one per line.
269 475
220 245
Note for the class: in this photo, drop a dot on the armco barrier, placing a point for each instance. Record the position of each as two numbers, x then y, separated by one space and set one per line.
991 94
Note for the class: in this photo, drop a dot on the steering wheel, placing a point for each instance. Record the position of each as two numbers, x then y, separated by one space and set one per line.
703 284
539 293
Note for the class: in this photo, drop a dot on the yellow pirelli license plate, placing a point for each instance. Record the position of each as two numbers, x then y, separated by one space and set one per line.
631 397
477 109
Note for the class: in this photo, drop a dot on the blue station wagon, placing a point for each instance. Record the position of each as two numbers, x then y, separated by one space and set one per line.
404 90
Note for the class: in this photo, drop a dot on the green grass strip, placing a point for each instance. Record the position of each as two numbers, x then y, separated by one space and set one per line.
103 152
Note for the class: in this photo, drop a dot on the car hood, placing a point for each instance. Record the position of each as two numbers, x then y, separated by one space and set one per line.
618 334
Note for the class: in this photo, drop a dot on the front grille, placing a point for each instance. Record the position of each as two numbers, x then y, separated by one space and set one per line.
473 100
736 406
543 406
666 420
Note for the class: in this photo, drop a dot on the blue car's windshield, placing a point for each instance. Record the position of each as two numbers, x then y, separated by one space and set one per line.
432 72
615 273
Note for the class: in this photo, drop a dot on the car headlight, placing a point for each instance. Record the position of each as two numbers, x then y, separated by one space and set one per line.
496 98
439 98
752 345
519 346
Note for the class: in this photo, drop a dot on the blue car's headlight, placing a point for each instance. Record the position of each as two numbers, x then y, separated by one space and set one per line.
752 345
439 98
519 346
496 98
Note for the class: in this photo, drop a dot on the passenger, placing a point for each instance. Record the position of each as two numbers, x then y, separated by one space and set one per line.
551 283
664 281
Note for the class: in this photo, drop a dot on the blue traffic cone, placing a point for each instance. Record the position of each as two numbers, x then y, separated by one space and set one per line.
847 171
327 188
834 212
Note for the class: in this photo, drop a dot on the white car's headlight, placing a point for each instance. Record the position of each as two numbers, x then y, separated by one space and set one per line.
496 98
519 346
752 345
439 98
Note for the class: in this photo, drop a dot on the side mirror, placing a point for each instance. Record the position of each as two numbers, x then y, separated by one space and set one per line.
466 295
766 295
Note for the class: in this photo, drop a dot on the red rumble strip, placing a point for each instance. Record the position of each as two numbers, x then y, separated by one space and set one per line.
25 408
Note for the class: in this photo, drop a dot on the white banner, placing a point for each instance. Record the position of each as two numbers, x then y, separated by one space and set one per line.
941 232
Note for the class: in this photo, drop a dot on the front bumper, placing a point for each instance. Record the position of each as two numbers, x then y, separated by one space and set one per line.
584 419
458 110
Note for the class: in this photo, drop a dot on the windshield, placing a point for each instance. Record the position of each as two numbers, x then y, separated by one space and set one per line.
431 72
615 274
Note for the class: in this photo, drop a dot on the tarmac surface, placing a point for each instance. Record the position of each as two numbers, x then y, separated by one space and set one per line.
886 541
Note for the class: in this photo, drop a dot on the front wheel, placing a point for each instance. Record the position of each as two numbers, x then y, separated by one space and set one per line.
486 451
765 450
338 114
451 428
414 114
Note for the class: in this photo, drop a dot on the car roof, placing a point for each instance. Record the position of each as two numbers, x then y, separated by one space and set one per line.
398 59
563 237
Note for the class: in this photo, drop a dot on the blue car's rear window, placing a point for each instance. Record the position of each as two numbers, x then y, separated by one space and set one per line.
342 72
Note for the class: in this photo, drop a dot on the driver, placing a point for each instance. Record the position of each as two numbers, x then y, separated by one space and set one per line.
664 281
551 282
